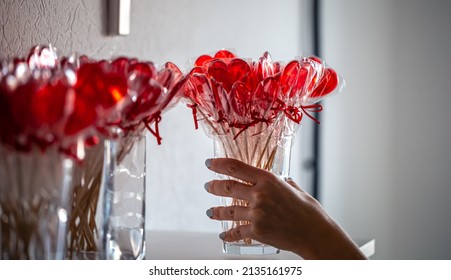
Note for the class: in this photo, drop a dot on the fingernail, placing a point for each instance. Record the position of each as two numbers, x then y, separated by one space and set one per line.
209 212
208 163
222 235
206 186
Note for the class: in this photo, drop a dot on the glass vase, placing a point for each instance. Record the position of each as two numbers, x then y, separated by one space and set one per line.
124 194
264 150
35 190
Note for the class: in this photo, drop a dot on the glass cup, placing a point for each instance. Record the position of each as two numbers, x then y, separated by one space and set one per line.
124 193
108 221
264 150
35 190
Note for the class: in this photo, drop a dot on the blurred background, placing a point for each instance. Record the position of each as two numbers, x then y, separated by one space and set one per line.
385 141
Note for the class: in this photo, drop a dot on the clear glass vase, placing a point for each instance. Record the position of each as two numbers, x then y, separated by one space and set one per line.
35 190
265 150
124 193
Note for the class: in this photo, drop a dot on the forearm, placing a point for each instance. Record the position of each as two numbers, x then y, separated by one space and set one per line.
331 243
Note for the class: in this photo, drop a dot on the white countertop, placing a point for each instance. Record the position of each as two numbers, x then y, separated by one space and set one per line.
178 245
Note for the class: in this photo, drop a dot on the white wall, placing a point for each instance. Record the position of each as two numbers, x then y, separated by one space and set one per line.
162 30
387 138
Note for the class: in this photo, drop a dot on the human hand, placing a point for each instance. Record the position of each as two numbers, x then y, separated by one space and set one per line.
280 213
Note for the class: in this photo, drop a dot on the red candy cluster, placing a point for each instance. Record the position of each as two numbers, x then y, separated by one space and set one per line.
154 92
46 100
239 93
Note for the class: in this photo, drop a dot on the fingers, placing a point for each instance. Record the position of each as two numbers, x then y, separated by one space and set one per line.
237 233
229 213
229 188
236 169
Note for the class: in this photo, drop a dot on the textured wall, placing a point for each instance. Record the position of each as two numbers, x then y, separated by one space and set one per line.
69 25
162 30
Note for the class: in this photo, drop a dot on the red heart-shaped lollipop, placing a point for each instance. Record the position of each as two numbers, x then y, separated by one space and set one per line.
327 83
237 70
240 100
224 54
217 69
49 103
293 79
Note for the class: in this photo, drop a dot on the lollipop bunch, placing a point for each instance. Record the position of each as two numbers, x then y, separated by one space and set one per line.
230 92
47 101
154 91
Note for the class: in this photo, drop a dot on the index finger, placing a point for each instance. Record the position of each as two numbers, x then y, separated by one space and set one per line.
236 169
